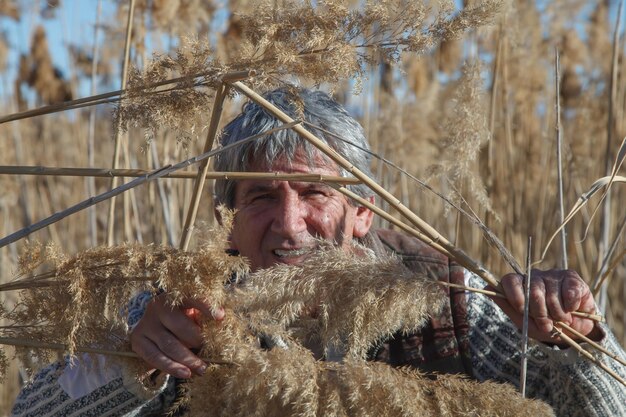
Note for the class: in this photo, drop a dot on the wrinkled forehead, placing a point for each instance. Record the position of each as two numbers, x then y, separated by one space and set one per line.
302 161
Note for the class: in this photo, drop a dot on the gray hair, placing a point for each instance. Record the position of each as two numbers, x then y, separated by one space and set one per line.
313 107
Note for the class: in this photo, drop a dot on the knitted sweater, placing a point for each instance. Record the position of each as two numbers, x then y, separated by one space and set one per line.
486 342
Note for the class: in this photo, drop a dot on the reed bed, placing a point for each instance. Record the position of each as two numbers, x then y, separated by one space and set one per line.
464 100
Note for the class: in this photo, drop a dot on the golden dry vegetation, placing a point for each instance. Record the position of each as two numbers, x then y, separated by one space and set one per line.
463 99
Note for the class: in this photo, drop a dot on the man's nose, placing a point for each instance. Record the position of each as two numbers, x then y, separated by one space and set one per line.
290 219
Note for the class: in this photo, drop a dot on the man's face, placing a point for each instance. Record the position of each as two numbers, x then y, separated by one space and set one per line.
279 221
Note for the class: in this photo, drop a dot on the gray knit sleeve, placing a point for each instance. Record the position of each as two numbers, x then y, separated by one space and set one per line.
92 387
44 396
570 383
111 395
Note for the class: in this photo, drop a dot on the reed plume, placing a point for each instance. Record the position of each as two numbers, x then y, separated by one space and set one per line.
329 42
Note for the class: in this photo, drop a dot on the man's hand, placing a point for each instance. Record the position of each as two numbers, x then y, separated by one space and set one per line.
554 294
166 335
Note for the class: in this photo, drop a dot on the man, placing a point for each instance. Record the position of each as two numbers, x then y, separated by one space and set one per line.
280 221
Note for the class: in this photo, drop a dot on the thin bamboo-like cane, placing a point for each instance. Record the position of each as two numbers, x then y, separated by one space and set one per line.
198 185
558 332
51 282
114 96
121 172
591 342
454 252
382 213
605 221
471 289
608 270
118 128
12 341
92 222
603 271
559 164
46 275
524 353
164 199
103 98
590 316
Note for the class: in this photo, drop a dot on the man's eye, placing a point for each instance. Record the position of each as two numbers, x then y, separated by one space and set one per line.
314 193
261 197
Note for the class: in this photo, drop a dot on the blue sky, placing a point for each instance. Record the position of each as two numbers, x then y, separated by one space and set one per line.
72 23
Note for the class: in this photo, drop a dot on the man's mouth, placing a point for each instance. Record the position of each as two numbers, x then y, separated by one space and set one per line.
291 253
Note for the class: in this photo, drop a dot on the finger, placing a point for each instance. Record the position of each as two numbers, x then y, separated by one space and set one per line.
574 292
151 354
514 291
180 325
537 307
174 350
203 306
206 308
553 299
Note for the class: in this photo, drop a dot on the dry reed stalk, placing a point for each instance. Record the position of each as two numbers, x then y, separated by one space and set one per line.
591 342
203 167
43 189
92 224
600 280
559 164
600 184
164 199
590 316
617 164
524 341
88 203
472 289
64 106
559 333
605 222
22 197
115 96
13 341
456 253
128 198
118 128
385 215
603 272
133 173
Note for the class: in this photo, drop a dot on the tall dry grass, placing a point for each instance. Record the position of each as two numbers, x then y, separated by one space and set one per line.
489 128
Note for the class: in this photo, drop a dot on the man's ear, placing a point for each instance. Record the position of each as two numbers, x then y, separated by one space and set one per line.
363 220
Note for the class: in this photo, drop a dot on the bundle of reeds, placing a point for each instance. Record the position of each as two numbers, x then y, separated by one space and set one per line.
335 300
